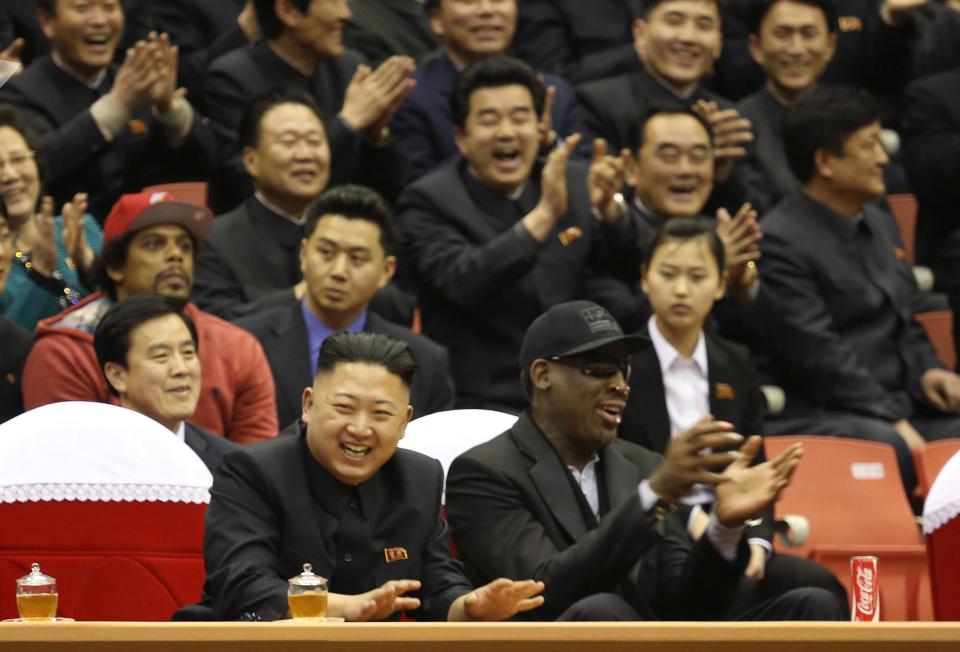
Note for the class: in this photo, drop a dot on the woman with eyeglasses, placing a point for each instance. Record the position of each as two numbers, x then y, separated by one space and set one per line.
690 374
53 255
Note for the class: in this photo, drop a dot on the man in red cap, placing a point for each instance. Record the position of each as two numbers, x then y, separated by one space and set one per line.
149 242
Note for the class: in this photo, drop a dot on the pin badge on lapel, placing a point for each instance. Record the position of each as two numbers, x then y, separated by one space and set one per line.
569 236
394 554
899 253
723 391
138 127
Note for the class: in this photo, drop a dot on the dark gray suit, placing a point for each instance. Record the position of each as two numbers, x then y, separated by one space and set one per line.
382 28
837 302
482 279
283 334
769 179
209 447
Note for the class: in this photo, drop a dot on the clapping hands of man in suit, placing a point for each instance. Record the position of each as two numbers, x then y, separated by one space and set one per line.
148 74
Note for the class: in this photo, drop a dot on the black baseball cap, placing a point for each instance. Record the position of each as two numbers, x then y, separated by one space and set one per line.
572 328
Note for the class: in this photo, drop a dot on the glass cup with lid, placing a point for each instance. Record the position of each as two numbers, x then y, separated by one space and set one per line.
307 595
37 596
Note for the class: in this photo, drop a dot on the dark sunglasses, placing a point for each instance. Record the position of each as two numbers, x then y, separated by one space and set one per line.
594 366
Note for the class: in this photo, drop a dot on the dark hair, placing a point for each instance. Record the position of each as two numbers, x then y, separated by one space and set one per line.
114 255
824 117
12 118
646 6
49 6
368 348
636 130
248 133
760 8
354 203
683 229
111 340
491 73
270 23
430 5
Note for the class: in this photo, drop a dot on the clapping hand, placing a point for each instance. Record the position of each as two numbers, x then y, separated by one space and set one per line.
746 490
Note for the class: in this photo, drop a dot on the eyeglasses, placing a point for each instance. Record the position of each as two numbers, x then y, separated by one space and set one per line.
597 366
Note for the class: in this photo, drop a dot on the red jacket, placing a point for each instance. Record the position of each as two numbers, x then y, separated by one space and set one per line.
237 398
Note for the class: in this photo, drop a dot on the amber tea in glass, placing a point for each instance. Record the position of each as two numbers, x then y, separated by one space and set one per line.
307 595
37 606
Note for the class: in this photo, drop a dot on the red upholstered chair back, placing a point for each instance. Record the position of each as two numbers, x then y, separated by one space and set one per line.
136 561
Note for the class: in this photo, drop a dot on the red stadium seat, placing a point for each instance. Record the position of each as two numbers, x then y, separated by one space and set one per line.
904 209
930 459
852 494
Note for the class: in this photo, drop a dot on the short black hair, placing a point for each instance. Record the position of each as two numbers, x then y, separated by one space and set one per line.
270 23
111 340
636 130
368 348
354 203
824 117
114 255
49 6
683 229
646 6
248 133
759 9
493 72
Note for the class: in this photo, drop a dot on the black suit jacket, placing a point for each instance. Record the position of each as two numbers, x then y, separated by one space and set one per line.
579 40
274 508
76 156
931 154
482 279
382 28
514 513
837 302
248 72
209 447
13 354
770 178
250 261
283 334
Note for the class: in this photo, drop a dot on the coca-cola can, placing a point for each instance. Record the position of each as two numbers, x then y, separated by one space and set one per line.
865 589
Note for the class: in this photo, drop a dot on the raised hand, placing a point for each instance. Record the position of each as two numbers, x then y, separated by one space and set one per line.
165 58
683 464
74 235
896 11
373 96
741 236
745 490
376 604
43 257
498 600
136 77
553 192
13 51
605 179
548 137
731 133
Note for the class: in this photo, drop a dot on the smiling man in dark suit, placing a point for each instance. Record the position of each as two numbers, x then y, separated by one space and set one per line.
346 255
147 349
561 499
497 238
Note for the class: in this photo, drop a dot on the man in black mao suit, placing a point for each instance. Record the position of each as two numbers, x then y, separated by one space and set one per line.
346 255
930 126
560 498
678 42
341 497
380 29
303 48
494 239
147 349
107 129
837 298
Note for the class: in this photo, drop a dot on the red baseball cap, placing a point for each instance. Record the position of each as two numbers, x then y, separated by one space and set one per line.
138 210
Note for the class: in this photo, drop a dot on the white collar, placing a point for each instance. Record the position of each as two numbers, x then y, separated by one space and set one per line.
279 211
668 354
182 431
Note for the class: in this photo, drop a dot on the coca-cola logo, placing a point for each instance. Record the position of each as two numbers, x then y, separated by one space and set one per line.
865 602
